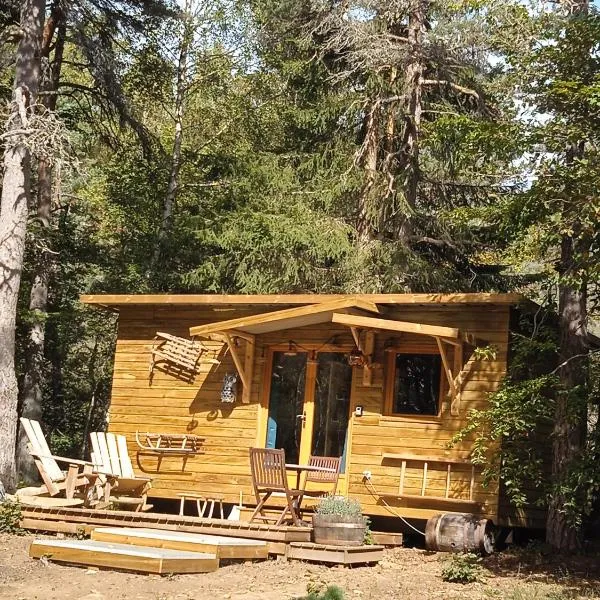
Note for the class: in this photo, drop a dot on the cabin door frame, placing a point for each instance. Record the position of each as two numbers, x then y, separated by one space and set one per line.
308 422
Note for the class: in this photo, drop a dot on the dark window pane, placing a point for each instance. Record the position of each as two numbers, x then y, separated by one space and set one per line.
286 403
417 384
332 404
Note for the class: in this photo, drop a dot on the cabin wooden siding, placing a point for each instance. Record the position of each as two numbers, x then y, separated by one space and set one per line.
171 405
375 434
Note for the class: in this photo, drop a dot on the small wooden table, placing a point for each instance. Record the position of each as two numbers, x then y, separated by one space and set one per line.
306 469
205 500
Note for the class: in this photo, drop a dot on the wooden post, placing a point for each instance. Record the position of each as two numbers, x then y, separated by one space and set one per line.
472 486
368 352
249 369
447 369
458 380
402 474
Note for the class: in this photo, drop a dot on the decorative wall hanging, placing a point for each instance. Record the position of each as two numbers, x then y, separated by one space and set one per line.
229 388
179 355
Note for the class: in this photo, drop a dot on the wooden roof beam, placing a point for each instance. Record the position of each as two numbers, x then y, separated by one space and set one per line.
287 318
107 300
391 325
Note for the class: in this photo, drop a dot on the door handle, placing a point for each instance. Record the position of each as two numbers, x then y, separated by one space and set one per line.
303 417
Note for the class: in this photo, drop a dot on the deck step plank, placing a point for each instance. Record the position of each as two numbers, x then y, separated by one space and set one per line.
124 556
339 555
222 546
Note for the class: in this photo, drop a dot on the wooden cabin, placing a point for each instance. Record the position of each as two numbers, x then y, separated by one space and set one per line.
383 381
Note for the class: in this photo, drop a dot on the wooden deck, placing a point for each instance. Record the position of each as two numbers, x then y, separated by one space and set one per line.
223 547
124 556
339 555
76 520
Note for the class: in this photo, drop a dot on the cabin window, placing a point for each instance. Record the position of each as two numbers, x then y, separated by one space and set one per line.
414 384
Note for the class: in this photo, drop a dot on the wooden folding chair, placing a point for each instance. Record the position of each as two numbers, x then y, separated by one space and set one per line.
121 485
79 478
269 477
326 480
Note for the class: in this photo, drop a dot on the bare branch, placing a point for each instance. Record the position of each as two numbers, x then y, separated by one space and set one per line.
457 88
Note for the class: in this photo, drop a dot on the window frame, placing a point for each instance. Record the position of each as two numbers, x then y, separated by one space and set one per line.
390 376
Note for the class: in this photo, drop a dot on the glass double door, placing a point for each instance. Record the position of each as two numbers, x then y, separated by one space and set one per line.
309 404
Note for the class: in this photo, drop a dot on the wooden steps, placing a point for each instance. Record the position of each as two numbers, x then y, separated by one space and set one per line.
124 557
223 547
339 555
77 520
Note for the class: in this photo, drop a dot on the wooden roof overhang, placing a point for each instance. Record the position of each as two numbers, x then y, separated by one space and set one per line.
119 300
312 314
353 312
250 326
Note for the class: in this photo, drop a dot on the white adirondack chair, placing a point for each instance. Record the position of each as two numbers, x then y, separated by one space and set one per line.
78 479
111 459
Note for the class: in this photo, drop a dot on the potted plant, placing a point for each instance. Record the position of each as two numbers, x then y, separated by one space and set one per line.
339 521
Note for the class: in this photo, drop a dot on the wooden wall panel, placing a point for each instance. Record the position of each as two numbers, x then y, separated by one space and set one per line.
374 434
170 405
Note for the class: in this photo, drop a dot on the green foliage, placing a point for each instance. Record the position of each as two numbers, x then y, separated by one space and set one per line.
462 568
368 539
272 173
516 411
485 352
507 437
316 592
10 517
81 533
339 505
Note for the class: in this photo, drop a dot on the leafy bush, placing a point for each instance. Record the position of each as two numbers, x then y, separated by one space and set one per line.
462 568
10 517
333 592
368 540
339 505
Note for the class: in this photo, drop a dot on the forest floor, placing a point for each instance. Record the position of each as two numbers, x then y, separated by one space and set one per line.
403 574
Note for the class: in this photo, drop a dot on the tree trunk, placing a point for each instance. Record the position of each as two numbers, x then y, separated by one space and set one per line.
187 36
408 158
94 381
570 416
16 193
370 147
31 392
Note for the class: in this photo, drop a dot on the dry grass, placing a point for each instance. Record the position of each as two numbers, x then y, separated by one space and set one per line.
403 574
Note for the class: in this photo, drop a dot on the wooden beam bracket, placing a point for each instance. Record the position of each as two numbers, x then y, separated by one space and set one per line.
246 368
369 347
453 375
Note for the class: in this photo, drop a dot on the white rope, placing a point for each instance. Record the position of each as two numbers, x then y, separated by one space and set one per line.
375 495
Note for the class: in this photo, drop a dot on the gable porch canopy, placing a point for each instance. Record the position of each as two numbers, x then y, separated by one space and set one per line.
353 311
277 320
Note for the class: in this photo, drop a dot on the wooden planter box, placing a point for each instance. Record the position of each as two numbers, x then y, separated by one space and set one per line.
336 530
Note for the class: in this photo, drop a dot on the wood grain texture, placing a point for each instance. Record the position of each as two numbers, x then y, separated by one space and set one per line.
338 555
223 547
123 556
291 299
170 405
